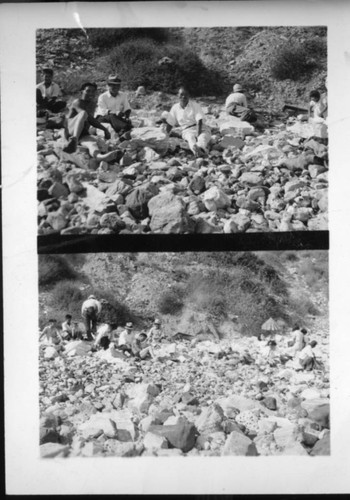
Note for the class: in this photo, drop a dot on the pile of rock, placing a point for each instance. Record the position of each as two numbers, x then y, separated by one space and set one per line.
204 399
250 182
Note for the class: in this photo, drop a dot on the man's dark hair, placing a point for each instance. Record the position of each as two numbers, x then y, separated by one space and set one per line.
315 93
88 84
68 316
52 320
49 71
295 327
303 330
313 343
183 87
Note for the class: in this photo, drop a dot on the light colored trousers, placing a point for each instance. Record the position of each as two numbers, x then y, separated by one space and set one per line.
202 141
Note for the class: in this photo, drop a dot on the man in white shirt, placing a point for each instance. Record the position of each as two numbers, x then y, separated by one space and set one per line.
190 117
47 93
306 356
236 104
113 107
126 338
90 310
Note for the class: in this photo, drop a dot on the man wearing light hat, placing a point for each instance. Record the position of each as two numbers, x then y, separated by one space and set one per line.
90 310
236 104
126 338
113 106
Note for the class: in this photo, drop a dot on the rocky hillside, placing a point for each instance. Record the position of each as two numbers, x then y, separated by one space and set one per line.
212 390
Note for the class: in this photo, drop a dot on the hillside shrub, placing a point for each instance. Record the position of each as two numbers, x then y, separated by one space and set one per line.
171 302
66 298
290 61
54 268
136 61
110 37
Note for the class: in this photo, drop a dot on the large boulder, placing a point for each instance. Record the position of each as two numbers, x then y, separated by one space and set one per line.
214 199
181 435
210 420
137 202
239 444
168 214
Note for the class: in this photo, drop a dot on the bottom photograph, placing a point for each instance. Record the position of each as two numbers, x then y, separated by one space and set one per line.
184 354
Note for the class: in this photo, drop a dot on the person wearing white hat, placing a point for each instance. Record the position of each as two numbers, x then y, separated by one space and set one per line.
90 310
113 107
236 104
190 117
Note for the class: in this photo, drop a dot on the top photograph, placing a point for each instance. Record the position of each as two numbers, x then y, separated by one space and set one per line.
182 130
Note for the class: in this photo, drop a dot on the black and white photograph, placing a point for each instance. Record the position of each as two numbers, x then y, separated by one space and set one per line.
182 130
175 249
184 354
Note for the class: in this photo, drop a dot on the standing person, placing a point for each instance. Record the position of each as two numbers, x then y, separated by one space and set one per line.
236 104
190 117
90 310
51 333
126 339
79 120
47 93
113 107
155 334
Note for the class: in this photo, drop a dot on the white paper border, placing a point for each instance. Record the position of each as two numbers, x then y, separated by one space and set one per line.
26 473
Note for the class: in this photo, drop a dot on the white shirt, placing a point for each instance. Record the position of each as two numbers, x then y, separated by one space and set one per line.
103 330
185 117
237 98
126 337
307 352
91 303
106 102
52 91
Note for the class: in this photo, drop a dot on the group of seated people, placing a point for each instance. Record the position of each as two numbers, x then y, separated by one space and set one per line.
140 345
298 351
114 109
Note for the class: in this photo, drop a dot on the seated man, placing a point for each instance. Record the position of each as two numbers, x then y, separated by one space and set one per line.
317 106
140 347
68 328
189 116
47 92
126 339
113 107
236 105
79 120
155 334
51 333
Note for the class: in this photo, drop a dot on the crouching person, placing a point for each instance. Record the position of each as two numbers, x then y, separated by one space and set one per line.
306 358
103 336
190 117
236 105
